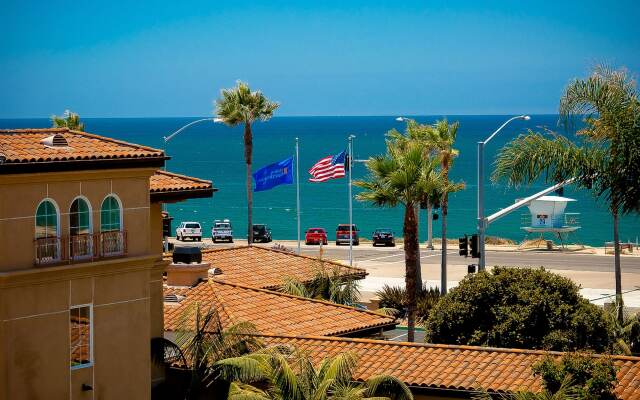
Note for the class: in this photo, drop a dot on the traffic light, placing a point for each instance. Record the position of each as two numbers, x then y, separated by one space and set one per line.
166 224
463 244
475 247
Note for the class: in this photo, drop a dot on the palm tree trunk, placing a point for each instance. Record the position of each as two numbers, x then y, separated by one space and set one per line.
418 261
443 264
410 232
429 226
248 152
616 261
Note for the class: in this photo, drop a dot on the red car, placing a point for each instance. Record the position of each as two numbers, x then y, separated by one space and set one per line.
315 236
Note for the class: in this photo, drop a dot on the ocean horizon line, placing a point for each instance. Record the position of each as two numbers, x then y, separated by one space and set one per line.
301 116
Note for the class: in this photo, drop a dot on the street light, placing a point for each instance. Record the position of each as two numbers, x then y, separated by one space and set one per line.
166 140
482 224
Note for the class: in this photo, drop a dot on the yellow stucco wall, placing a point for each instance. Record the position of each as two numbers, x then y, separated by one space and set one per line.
125 292
21 194
34 330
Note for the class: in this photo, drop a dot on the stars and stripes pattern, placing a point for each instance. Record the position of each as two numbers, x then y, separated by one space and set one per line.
330 167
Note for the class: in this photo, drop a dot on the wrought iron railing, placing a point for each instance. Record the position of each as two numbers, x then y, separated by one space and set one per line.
48 250
113 243
80 248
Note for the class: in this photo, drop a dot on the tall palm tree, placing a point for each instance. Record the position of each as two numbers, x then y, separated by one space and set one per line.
239 105
443 137
204 341
403 176
69 120
279 374
605 161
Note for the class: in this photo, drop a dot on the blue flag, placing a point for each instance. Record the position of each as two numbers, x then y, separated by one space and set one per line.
280 173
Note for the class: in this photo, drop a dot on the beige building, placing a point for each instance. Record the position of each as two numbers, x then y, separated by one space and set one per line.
81 263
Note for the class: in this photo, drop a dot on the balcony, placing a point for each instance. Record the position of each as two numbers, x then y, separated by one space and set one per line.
80 248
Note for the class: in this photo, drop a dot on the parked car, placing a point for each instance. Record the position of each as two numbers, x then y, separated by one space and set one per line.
222 230
383 236
315 236
342 234
190 229
261 233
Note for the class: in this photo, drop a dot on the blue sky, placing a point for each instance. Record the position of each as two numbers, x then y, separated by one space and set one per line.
169 58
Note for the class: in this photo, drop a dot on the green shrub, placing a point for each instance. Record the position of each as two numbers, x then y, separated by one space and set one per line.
591 377
519 307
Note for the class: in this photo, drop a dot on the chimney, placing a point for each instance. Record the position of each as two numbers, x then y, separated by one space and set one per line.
187 268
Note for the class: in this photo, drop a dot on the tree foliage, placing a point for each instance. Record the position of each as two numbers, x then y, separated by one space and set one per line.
280 373
204 341
521 308
69 120
592 378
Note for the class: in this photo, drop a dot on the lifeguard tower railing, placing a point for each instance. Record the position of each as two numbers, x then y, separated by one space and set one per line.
566 220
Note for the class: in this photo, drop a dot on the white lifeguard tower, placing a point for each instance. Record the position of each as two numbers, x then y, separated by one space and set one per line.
547 215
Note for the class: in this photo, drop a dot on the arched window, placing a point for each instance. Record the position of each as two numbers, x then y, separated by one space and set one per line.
110 214
46 220
80 238
112 237
47 233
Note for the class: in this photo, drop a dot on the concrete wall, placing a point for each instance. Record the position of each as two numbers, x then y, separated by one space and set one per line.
21 194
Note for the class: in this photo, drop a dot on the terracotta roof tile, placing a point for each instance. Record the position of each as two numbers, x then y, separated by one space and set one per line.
264 268
23 146
164 181
466 368
275 313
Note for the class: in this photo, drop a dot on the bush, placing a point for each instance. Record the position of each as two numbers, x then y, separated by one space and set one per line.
523 308
589 377
395 297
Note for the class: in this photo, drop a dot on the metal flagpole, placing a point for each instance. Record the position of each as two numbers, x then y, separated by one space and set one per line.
298 191
350 203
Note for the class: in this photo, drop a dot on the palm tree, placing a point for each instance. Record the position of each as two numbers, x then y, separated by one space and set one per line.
327 284
239 105
605 162
279 374
69 120
203 341
442 138
626 334
403 176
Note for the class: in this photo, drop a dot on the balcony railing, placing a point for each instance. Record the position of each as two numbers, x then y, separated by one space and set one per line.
113 243
48 250
80 248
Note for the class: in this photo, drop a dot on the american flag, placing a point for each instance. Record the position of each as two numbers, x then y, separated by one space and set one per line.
330 167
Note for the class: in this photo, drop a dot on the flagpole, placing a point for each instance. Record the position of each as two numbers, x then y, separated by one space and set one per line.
298 191
350 164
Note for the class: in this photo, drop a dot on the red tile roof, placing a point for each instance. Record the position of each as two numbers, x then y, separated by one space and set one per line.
164 181
23 146
264 268
449 367
275 313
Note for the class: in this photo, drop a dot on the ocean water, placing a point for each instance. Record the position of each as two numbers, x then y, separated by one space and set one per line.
215 152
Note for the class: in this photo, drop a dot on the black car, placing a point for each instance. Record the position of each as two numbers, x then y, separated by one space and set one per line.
383 236
261 233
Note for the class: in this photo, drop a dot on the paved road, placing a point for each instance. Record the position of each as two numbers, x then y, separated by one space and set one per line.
394 255
565 261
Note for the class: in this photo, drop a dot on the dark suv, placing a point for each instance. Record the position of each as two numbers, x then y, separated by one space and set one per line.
342 234
383 236
261 233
